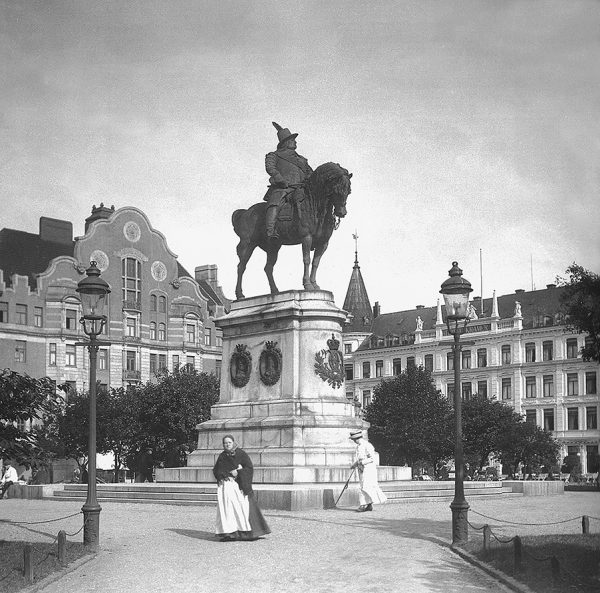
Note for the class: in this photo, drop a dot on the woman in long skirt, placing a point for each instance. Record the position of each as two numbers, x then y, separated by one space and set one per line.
370 493
238 514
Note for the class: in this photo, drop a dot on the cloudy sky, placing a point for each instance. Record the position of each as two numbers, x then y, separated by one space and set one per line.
467 126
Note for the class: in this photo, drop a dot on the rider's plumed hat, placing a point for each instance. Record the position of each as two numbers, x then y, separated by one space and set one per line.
283 134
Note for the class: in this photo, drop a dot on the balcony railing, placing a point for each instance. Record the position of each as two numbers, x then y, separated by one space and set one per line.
132 375
132 305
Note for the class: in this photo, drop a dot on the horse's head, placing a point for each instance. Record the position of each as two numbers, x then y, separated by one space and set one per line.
335 183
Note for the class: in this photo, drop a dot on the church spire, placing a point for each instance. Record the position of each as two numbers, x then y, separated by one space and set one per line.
357 300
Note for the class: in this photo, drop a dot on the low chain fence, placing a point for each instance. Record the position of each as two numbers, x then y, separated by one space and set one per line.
35 556
494 545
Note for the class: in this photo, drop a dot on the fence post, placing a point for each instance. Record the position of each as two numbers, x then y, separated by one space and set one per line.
555 570
27 564
62 547
518 553
585 524
486 539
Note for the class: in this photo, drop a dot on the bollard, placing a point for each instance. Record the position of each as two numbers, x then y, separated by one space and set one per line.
487 532
518 553
555 570
27 564
62 547
585 524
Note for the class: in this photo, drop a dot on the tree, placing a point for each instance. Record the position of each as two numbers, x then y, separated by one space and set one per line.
23 398
581 304
526 443
410 420
484 424
169 411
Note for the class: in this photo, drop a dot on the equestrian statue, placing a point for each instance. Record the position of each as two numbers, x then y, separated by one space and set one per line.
301 206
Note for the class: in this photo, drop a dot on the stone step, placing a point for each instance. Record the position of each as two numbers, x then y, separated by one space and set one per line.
145 495
446 492
102 499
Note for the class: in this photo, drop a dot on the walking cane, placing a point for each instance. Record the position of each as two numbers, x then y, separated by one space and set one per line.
345 486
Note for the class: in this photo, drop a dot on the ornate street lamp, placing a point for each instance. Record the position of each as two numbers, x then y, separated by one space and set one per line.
93 291
456 291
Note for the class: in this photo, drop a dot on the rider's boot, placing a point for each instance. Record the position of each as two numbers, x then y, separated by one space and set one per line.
271 220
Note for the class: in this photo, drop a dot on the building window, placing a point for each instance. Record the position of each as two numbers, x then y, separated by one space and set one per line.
70 356
547 351
549 419
467 391
153 302
366 370
572 349
572 450
3 312
21 315
482 357
218 339
207 336
530 352
592 453
162 304
482 389
572 384
410 361
506 388
530 416
530 387
347 348
103 388
572 419
132 327
466 359
102 359
591 417
349 369
153 364
548 385
130 360
71 389
162 332
71 319
153 330
429 362
450 361
590 382
506 357
38 317
379 368
20 351
218 369
397 366
366 396
190 333
190 363
450 391
162 362
52 355
131 276
175 361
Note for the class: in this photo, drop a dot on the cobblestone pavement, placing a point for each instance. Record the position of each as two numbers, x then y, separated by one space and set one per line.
146 547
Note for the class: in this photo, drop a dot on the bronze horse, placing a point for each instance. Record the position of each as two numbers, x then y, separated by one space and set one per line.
309 221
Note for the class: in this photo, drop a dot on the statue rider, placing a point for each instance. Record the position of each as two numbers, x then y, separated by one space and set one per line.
287 171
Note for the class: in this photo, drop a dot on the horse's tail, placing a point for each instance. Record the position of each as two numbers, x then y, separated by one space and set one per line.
235 217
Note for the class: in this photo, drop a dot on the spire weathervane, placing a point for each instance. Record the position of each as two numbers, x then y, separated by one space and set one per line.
355 237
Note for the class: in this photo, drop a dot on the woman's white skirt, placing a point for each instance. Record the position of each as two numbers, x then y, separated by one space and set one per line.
233 508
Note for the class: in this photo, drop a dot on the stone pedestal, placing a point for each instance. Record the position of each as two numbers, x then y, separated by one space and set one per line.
296 429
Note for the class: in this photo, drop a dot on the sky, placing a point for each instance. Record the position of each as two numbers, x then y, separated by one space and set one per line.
472 130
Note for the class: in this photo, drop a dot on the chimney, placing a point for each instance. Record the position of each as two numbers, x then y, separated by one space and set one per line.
519 291
101 211
207 273
419 307
56 231
376 310
550 286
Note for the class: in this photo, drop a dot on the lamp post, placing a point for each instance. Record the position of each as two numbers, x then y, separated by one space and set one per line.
455 291
93 291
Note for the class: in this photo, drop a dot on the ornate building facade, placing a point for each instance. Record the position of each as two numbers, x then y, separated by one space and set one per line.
517 349
159 316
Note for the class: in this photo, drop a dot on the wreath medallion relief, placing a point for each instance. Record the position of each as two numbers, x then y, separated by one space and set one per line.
269 364
240 365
